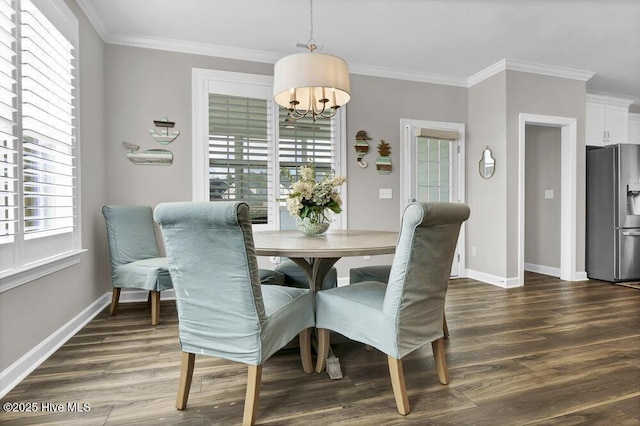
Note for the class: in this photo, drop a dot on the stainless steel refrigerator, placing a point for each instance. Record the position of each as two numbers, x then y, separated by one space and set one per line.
613 213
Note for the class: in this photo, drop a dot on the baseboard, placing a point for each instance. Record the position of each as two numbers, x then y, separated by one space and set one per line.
493 279
541 269
581 276
20 369
16 372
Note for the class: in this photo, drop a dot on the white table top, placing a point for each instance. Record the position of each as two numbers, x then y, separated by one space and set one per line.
333 243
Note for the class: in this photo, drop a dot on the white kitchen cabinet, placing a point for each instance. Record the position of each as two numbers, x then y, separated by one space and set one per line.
634 128
607 120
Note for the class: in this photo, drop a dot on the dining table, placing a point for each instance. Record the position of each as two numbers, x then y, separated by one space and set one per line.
317 254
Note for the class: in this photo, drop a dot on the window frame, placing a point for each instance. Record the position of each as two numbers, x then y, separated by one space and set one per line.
28 267
202 79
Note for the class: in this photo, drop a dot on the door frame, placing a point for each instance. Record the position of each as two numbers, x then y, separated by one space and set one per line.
568 184
406 137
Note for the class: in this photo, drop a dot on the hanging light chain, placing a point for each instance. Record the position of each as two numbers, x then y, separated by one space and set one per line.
311 44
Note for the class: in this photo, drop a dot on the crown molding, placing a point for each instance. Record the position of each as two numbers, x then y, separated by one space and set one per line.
89 9
195 48
399 74
609 99
530 67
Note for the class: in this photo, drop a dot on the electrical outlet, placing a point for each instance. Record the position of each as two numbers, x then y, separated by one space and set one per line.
367 257
473 251
385 193
548 194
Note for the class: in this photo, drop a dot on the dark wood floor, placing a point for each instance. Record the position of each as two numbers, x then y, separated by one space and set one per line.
551 352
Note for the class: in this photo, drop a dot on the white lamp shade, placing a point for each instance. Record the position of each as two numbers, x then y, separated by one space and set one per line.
306 71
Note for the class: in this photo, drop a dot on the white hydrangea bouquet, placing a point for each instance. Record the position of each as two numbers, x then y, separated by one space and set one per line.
309 200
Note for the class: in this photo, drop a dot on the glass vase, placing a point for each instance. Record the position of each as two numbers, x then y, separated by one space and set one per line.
313 226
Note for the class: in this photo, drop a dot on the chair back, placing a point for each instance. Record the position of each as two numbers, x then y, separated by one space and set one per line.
415 295
215 275
131 234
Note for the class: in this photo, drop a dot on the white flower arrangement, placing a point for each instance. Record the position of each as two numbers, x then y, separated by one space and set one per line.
311 199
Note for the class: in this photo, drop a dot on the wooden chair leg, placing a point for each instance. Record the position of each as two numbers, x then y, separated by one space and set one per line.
155 307
445 328
115 297
441 362
323 349
254 379
186 374
305 350
397 383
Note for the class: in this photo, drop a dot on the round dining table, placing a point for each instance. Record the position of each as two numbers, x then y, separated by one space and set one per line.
317 254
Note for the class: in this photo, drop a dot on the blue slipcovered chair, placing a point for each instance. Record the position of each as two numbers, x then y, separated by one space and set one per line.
381 273
135 260
223 310
406 313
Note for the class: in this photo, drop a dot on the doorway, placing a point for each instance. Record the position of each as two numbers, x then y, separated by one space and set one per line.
568 184
433 169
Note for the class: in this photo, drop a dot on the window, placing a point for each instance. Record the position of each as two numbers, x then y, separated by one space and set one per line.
38 147
242 140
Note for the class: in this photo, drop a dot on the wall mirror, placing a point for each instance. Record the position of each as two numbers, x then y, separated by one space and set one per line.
487 163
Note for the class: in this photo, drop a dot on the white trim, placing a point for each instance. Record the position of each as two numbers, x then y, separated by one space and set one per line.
542 269
581 276
16 277
493 279
92 14
568 177
530 67
407 154
605 98
408 75
20 369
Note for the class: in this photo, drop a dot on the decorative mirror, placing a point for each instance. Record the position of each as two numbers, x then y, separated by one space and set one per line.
487 163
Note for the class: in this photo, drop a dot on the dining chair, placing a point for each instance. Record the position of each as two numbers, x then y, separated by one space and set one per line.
406 313
135 260
223 310
381 273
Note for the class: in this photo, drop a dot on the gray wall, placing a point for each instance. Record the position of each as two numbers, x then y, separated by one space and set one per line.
539 94
542 215
486 229
33 311
145 84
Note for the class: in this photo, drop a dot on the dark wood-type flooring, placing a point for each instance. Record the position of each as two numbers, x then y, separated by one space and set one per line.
551 352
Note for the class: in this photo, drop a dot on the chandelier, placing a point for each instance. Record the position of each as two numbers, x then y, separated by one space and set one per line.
311 83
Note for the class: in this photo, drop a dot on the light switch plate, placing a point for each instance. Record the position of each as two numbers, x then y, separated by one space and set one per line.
386 193
548 193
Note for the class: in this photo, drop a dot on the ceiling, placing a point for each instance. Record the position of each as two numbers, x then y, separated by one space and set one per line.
442 41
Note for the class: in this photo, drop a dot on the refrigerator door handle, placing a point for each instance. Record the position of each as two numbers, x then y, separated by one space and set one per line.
631 233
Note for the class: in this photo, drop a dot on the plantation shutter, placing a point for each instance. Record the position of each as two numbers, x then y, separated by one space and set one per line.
304 141
9 159
48 137
239 152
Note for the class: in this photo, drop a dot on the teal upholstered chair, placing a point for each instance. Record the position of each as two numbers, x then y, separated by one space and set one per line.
399 317
381 273
223 311
135 260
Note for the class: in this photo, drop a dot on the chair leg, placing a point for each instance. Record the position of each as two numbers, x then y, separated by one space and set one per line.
254 379
186 374
323 349
115 297
445 328
397 383
155 307
305 350
441 362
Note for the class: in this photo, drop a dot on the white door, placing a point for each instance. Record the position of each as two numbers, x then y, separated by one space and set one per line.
433 164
